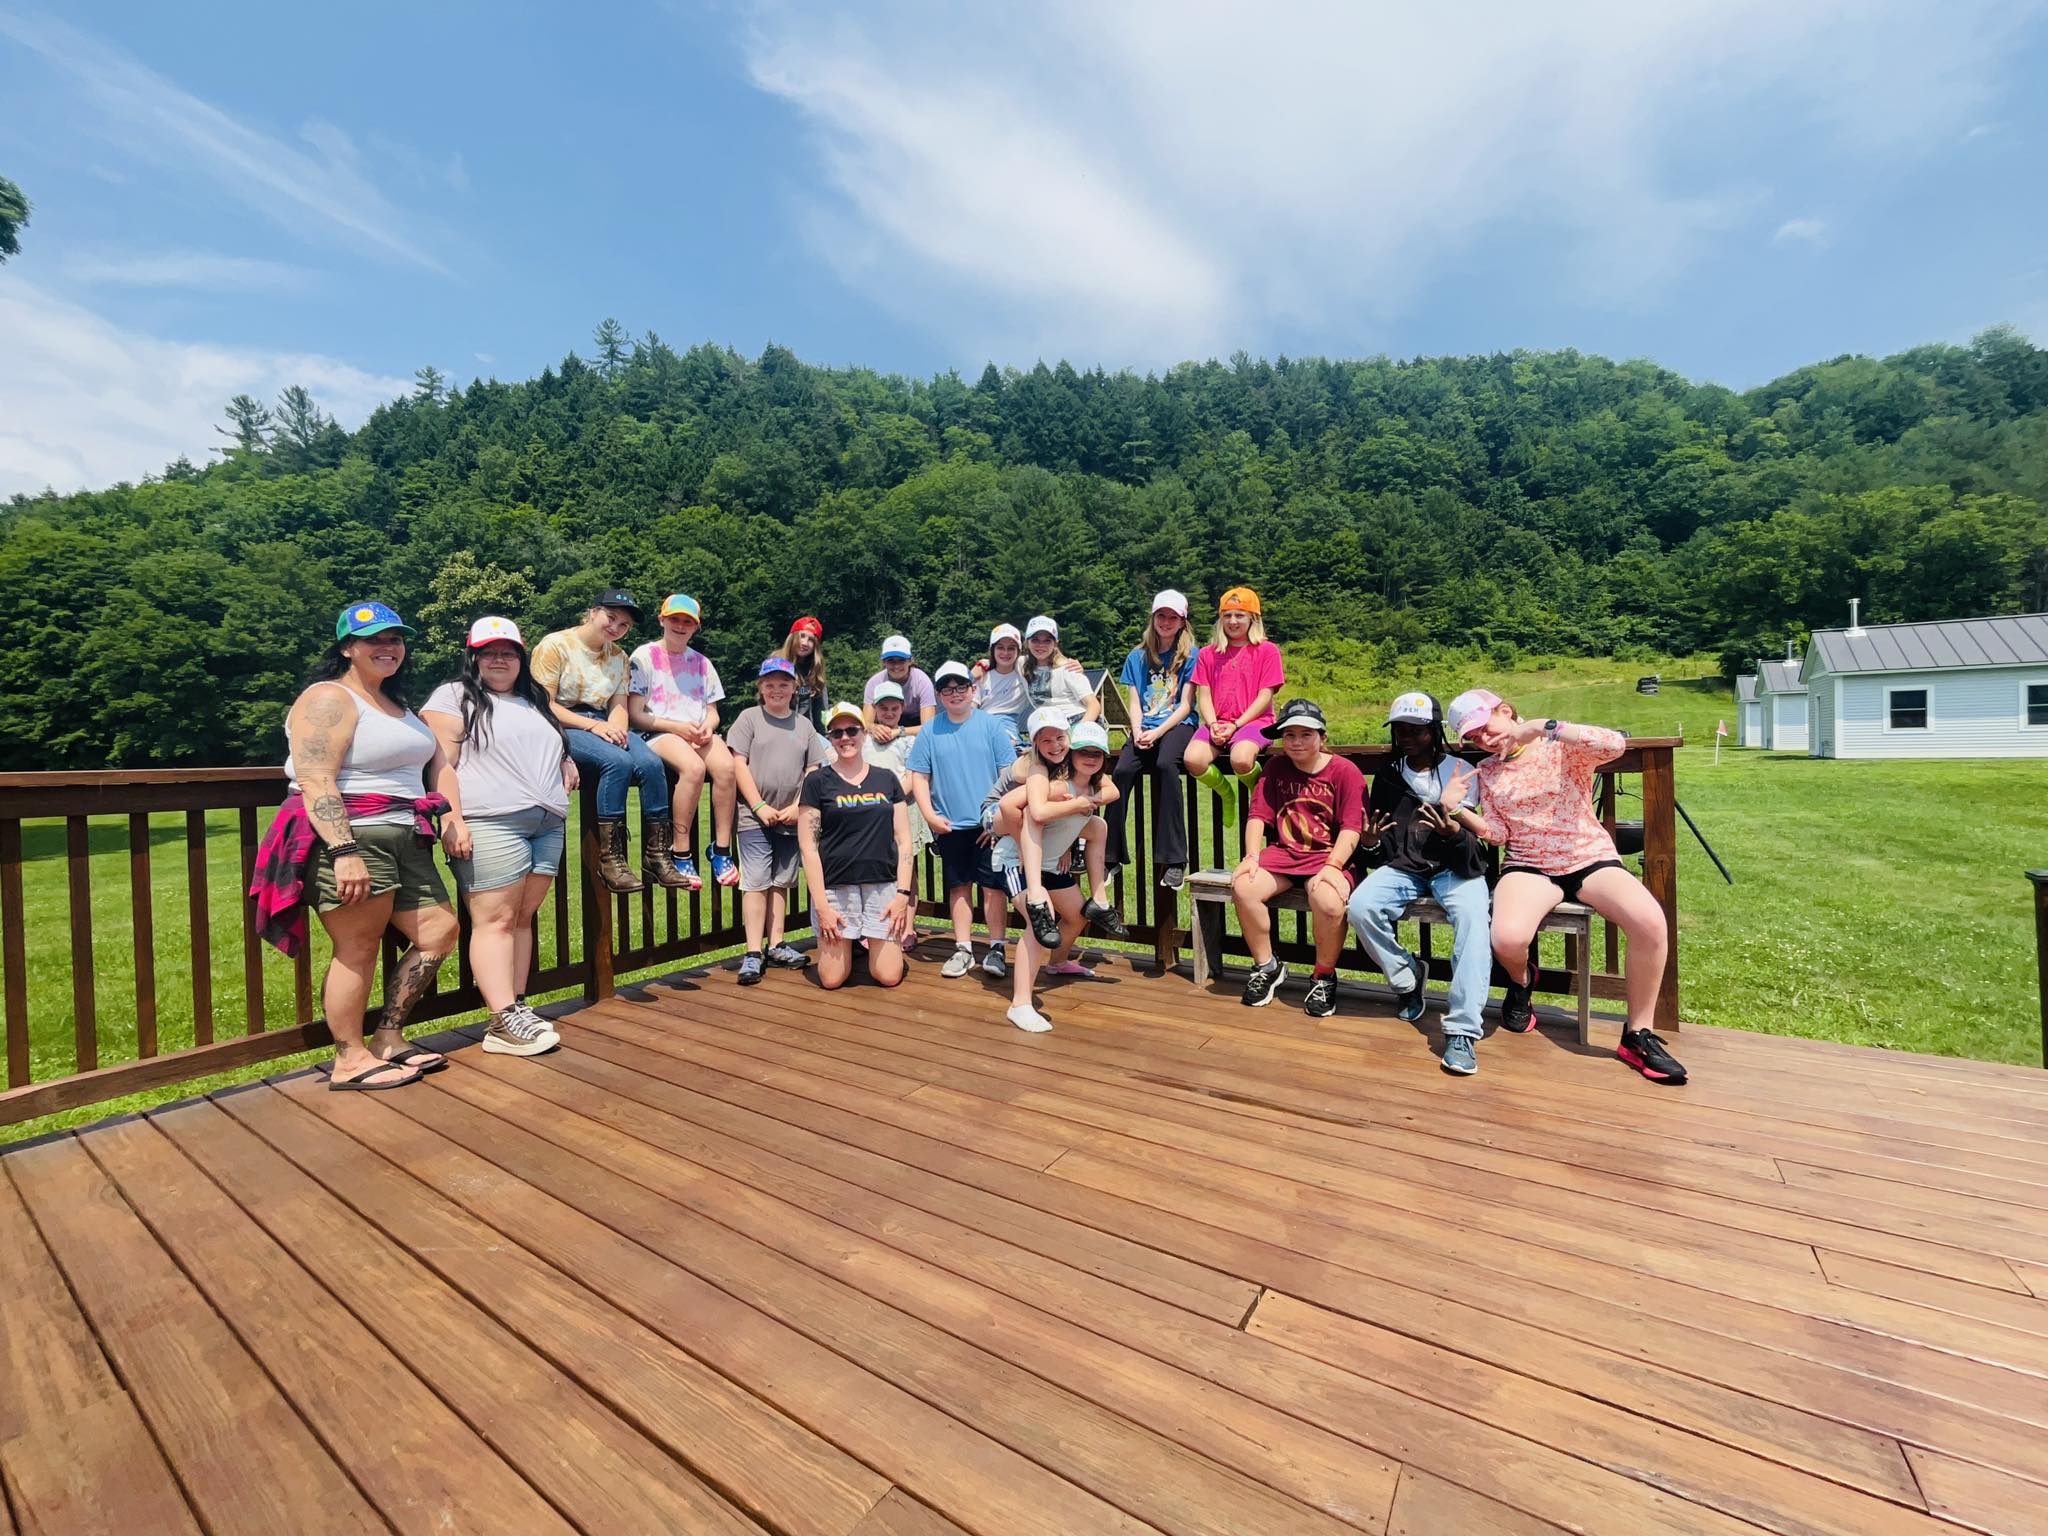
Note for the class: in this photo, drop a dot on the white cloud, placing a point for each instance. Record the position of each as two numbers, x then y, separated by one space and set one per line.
1158 178
181 269
85 402
139 111
1801 231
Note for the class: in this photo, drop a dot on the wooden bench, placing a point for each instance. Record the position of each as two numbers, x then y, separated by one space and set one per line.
1209 890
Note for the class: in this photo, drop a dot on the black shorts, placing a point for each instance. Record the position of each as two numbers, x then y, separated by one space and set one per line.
964 859
1051 879
1568 883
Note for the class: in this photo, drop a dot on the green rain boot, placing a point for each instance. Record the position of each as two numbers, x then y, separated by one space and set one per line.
1218 783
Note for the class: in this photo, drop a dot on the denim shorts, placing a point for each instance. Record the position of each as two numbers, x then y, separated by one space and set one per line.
506 849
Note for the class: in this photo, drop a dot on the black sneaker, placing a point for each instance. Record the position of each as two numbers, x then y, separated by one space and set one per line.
1173 877
1321 1001
1410 1007
1045 925
1517 1011
1643 1050
1263 983
1106 918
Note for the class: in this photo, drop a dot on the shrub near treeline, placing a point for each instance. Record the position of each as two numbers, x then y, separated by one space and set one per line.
1527 502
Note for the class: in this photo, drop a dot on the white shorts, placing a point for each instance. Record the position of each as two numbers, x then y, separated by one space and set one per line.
864 907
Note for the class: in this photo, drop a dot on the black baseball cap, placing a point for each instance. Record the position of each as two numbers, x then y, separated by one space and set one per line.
618 597
1301 712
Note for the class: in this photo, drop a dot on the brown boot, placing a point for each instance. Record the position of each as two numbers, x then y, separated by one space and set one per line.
612 867
657 857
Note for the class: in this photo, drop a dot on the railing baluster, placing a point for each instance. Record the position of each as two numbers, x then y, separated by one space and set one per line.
302 984
202 930
14 952
84 1015
252 946
141 899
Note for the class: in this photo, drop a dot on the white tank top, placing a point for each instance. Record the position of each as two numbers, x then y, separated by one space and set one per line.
385 758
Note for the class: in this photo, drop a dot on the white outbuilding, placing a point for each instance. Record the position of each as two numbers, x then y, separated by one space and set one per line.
1781 704
1952 688
1749 715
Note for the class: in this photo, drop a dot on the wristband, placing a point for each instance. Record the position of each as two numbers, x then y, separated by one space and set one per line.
349 849
904 890
760 806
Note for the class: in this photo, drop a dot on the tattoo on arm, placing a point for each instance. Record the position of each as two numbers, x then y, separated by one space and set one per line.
330 818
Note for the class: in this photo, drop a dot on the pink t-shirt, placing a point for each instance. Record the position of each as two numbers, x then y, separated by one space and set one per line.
1234 678
1538 804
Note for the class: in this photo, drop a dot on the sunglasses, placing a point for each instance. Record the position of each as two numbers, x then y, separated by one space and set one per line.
846 732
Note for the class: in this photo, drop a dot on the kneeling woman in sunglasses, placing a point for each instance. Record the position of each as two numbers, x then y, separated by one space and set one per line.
854 830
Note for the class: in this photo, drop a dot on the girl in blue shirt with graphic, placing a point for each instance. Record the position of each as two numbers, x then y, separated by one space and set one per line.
1158 683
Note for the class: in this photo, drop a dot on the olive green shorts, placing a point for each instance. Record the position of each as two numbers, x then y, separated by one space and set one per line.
400 867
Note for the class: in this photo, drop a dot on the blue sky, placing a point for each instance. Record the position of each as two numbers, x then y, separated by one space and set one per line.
230 196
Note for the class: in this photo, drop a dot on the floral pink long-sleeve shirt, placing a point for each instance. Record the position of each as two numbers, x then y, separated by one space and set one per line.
1538 803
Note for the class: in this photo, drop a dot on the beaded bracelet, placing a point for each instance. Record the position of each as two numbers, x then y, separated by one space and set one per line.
343 850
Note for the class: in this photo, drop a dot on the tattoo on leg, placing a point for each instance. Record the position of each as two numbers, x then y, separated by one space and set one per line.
407 984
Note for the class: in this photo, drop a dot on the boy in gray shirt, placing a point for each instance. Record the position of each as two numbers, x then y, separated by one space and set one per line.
773 747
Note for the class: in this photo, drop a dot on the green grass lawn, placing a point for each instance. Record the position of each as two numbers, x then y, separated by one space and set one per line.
1877 903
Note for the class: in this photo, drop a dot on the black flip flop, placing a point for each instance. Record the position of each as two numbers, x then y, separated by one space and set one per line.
410 1056
362 1084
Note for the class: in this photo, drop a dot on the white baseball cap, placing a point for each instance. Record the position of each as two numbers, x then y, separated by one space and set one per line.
887 690
1177 601
1004 632
1415 709
896 645
485 630
1042 625
1088 733
1045 718
948 670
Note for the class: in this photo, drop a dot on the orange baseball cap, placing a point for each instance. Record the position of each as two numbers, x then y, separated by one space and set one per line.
1239 600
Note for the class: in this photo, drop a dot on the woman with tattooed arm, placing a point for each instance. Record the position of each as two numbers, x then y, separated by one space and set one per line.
362 764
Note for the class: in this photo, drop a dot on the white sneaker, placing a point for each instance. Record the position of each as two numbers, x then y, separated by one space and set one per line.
1029 1019
519 1031
958 963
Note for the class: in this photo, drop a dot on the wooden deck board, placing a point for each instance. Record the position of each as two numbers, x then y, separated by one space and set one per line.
874 1264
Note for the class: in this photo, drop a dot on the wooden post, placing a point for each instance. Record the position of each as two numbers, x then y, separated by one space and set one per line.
597 909
2040 879
1660 868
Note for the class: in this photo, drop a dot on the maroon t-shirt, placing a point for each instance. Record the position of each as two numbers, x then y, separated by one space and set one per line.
1304 812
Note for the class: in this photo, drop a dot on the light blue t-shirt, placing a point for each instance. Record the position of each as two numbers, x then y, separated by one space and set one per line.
963 760
1157 683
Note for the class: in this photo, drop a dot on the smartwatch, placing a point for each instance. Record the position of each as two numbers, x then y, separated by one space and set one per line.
1552 727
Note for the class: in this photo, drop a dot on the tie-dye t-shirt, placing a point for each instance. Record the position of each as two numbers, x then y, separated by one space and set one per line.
679 685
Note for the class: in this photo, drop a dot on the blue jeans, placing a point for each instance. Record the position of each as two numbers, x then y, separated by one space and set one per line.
618 767
1377 905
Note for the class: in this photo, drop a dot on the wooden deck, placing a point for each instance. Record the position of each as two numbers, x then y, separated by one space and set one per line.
875 1264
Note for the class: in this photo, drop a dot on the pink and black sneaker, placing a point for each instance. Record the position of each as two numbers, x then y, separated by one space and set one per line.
1643 1050
1517 1005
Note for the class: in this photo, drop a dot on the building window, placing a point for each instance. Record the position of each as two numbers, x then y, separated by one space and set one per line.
1906 708
2037 703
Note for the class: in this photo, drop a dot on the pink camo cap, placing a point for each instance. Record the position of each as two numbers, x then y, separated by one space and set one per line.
1470 708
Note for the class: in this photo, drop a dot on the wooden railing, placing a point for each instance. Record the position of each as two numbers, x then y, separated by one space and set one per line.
268 1010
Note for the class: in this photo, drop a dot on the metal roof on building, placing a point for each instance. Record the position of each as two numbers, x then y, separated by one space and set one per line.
2016 641
1745 688
1780 677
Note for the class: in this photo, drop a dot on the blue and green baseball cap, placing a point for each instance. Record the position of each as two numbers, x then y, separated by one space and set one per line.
680 603
368 619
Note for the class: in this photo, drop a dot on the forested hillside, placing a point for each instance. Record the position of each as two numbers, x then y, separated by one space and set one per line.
1517 503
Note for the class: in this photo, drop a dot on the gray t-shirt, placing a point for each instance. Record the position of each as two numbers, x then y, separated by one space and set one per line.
517 764
778 752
